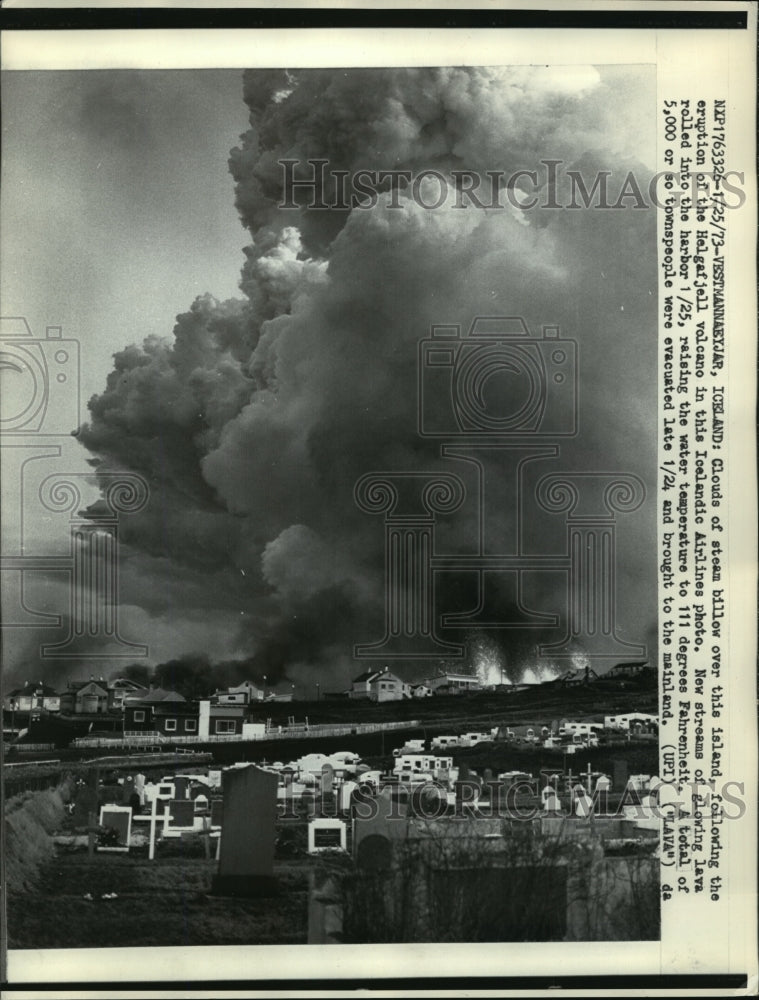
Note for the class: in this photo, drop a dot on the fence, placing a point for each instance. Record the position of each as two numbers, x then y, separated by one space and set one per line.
28 747
154 740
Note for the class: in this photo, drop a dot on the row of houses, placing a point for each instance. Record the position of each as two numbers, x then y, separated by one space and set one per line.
143 710
97 696
383 685
91 697
101 697
587 730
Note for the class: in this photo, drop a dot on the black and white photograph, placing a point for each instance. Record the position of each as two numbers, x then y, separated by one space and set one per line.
333 543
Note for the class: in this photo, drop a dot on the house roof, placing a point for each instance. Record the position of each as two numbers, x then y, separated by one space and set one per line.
384 675
127 684
156 695
366 676
78 685
30 688
450 676
242 686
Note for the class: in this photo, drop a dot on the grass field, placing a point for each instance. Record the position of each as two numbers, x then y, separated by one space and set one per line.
158 903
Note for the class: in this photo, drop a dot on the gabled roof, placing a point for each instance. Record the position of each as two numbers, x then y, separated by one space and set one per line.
156 695
380 674
127 684
30 688
242 686
367 675
78 685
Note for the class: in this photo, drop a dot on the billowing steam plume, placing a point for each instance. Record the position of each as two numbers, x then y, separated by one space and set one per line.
254 421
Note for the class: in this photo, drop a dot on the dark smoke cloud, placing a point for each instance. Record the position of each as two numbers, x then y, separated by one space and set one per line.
255 420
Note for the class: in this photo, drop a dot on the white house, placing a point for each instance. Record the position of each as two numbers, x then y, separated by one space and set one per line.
379 685
581 728
631 721
120 688
33 695
422 767
238 694
453 683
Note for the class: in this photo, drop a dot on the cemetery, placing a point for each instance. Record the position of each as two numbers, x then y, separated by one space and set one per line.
327 848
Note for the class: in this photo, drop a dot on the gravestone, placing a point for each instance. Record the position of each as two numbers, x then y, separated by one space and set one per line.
117 822
181 816
246 854
620 774
326 835
327 779
127 790
583 804
374 853
182 786
346 793
550 799
217 807
139 787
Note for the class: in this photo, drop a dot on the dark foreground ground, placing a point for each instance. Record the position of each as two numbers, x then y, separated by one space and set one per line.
164 902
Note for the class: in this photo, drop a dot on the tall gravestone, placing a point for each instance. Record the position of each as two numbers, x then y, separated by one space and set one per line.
327 779
127 789
139 787
182 786
246 854
620 775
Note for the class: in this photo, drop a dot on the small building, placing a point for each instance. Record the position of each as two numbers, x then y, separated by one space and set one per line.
420 691
453 683
165 713
379 685
422 767
33 696
85 697
120 688
227 720
582 728
632 722
624 671
238 694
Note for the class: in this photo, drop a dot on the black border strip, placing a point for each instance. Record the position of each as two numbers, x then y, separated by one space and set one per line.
90 18
688 981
